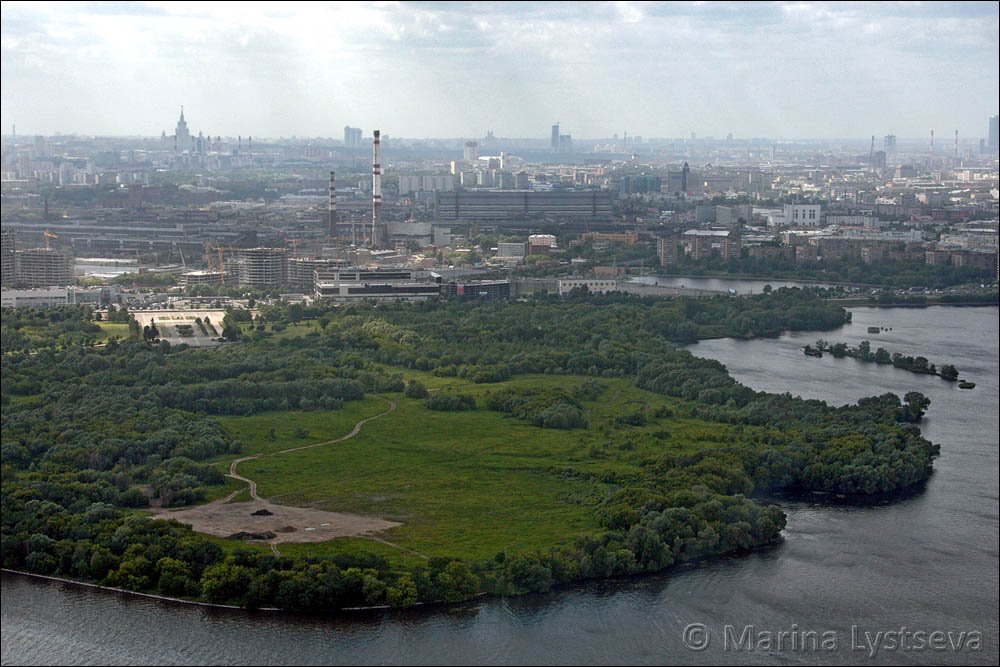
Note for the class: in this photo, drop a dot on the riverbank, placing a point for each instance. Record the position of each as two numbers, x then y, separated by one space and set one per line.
735 277
126 591
856 302
197 603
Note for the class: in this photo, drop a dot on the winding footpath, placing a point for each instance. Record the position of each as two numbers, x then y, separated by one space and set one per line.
252 485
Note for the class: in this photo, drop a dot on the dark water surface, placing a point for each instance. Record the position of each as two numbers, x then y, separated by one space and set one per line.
924 564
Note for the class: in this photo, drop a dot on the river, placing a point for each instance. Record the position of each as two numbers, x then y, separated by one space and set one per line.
736 285
922 564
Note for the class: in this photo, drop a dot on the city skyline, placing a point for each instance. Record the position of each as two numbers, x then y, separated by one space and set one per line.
777 70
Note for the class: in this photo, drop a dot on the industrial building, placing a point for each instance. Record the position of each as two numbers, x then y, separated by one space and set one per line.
484 290
594 205
379 284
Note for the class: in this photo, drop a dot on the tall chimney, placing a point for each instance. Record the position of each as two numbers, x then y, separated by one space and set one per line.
332 206
956 143
376 190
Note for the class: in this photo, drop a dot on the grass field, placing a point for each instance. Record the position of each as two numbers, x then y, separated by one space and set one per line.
466 484
112 329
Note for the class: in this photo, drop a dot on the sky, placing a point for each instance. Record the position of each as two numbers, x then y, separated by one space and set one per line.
790 70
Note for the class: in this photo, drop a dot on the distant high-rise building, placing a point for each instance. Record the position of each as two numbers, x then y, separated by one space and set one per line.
471 153
43 267
182 137
555 137
667 249
7 247
262 268
352 136
993 141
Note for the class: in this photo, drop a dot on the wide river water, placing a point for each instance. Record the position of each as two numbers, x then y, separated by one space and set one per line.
847 582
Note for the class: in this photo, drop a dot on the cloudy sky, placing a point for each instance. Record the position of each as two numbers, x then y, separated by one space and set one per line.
425 69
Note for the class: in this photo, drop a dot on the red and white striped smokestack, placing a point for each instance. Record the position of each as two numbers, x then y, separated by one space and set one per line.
376 189
332 205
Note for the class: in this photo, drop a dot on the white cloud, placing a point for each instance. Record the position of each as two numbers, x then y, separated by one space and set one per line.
458 69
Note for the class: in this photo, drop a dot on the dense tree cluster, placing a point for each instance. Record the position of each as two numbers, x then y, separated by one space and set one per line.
890 274
549 407
25 329
863 352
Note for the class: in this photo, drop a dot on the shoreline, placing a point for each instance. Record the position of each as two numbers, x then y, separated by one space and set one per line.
214 605
731 276
857 303
113 589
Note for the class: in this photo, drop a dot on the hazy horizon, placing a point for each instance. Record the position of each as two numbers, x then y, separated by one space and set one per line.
782 71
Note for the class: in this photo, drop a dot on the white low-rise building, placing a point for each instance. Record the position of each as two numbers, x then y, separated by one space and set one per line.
59 296
594 285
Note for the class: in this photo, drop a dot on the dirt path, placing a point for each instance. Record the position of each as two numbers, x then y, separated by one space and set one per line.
250 483
354 431
396 546
278 523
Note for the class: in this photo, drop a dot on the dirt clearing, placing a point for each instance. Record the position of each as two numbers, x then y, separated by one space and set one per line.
222 519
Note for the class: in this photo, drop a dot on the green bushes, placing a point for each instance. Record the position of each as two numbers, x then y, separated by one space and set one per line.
544 407
451 402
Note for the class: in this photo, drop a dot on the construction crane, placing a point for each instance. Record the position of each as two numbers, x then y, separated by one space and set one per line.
208 255
48 235
222 267
180 251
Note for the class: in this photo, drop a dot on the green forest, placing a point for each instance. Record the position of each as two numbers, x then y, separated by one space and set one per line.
886 273
535 443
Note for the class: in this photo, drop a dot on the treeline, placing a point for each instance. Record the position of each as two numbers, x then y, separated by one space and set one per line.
583 335
25 329
886 273
863 352
101 544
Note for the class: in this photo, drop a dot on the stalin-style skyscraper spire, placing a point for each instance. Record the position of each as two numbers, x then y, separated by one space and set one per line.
182 137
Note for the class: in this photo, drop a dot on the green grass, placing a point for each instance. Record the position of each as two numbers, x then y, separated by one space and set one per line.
112 329
464 484
321 425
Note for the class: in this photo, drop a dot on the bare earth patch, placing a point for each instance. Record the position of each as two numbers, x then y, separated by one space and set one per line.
222 519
